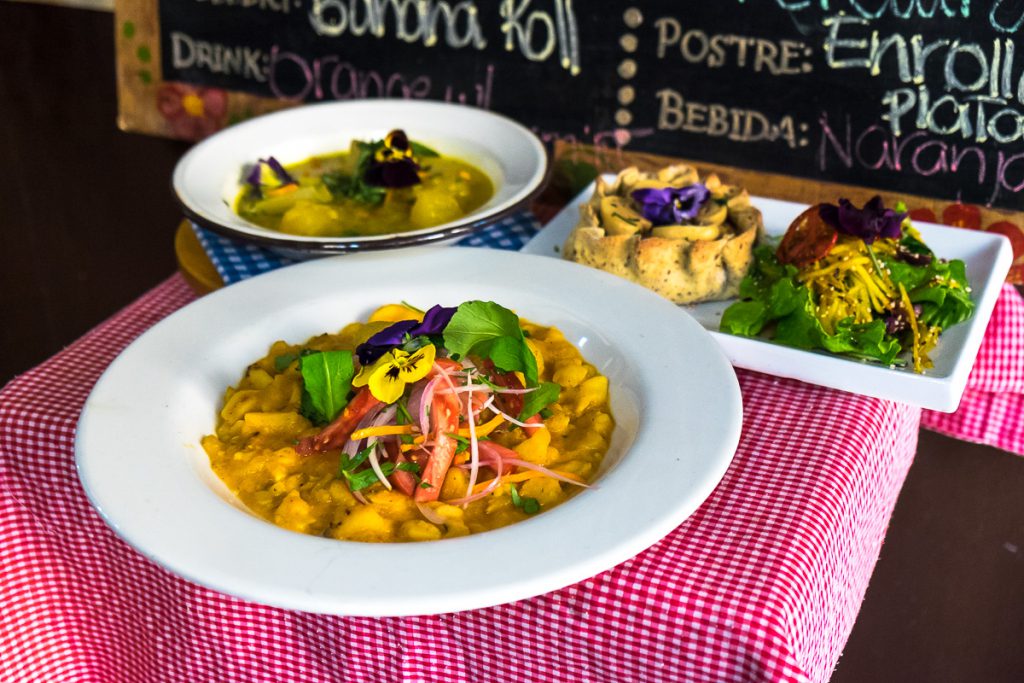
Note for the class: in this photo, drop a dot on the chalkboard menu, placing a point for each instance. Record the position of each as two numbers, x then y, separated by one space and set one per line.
924 97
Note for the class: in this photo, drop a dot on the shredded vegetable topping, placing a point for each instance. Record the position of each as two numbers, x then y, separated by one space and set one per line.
434 392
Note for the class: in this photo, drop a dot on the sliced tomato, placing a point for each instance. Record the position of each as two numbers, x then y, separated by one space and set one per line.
444 414
337 433
509 403
808 239
400 479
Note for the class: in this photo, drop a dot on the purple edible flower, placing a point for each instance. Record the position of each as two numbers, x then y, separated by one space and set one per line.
434 322
400 173
284 176
872 222
255 177
393 164
671 205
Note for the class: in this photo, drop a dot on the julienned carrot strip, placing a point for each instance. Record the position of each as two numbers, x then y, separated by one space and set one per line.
523 476
484 429
283 190
386 430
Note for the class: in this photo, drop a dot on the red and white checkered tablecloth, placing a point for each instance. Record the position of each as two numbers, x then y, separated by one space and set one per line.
762 584
992 409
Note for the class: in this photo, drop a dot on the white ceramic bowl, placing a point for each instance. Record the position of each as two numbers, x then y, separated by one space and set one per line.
208 178
675 399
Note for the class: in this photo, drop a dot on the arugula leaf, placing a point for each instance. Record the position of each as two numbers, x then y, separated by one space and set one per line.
943 305
475 322
538 399
326 381
509 355
408 467
528 505
915 245
486 329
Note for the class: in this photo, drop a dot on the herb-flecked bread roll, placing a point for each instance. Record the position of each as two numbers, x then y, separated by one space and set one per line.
688 240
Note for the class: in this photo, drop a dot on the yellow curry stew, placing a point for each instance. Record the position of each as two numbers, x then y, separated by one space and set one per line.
485 435
374 188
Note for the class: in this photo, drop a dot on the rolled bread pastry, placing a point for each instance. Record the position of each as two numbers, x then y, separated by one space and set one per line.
686 240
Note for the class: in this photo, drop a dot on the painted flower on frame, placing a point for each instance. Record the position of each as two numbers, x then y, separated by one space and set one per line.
192 112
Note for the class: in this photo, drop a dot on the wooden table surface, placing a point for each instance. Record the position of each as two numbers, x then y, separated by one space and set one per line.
88 223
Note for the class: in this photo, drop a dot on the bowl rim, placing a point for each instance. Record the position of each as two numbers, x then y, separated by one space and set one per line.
316 245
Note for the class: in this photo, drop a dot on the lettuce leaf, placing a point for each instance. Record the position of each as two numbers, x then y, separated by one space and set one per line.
774 297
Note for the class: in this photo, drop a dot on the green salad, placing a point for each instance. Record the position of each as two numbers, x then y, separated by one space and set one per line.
858 282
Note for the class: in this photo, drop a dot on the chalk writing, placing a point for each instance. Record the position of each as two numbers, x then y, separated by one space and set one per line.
282 6
875 9
875 148
411 21
926 96
216 58
537 34
778 58
296 77
719 120
985 71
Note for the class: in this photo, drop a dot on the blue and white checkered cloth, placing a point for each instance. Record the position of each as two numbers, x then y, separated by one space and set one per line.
236 261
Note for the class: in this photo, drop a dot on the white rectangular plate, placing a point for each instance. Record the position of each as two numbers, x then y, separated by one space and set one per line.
987 256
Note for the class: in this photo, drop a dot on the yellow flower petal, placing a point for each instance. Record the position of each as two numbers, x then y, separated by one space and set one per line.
385 384
415 367
367 371
392 371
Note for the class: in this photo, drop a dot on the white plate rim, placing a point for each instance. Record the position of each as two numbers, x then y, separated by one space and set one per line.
110 440
188 189
992 258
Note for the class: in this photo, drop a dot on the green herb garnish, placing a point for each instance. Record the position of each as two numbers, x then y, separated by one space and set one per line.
421 150
367 478
349 465
353 186
326 382
528 505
